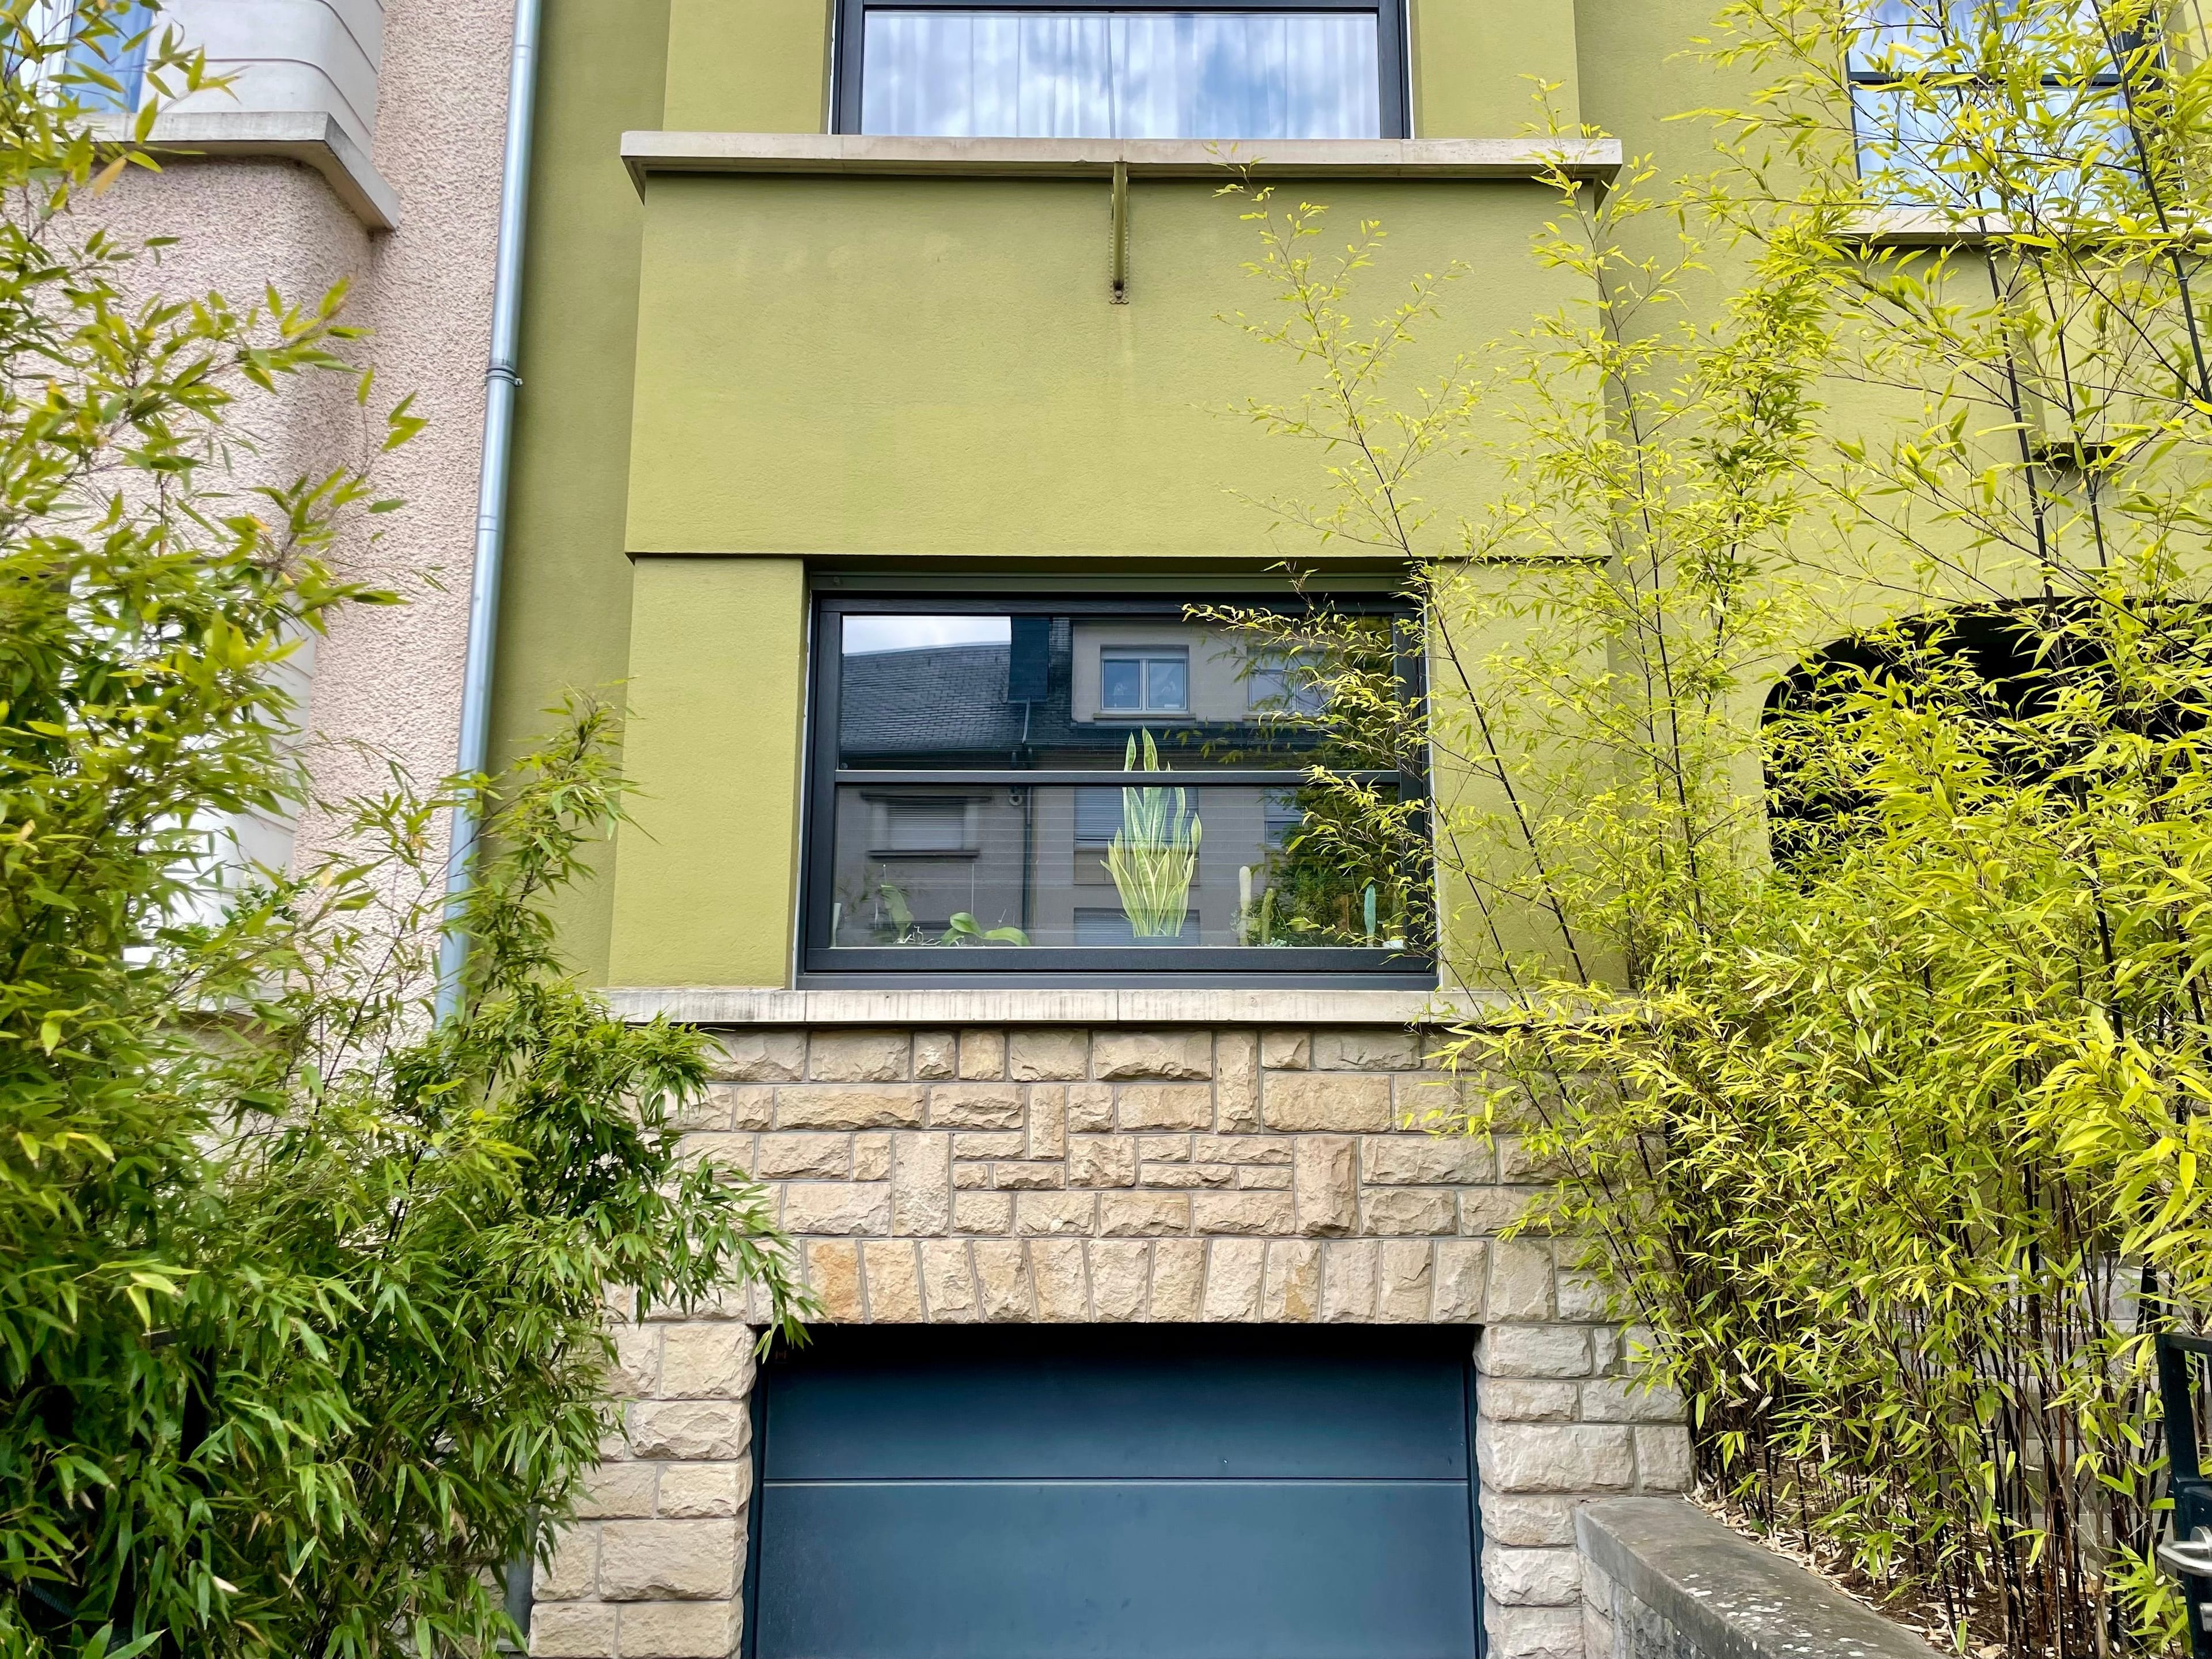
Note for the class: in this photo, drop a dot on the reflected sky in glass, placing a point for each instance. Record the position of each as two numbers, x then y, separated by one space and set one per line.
1120 75
864 634
1901 36
2079 157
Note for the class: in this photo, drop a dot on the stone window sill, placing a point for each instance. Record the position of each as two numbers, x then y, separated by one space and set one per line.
308 136
853 153
1910 227
762 1005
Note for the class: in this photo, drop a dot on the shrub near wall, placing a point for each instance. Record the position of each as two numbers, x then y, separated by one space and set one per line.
1892 1147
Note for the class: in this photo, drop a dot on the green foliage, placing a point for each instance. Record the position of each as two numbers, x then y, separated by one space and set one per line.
963 929
1893 1150
1357 844
1154 855
304 1300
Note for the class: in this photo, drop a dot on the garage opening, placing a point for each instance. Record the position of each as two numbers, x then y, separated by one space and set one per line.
1131 1492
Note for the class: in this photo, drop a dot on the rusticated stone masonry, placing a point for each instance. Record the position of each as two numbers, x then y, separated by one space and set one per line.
1111 1175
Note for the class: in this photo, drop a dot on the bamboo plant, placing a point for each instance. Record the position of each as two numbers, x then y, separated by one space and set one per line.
1878 1106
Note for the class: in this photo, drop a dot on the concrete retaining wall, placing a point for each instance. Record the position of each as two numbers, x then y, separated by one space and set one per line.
1661 1579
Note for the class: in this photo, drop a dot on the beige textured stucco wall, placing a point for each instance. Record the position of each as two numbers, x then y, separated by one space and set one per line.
393 677
242 225
389 678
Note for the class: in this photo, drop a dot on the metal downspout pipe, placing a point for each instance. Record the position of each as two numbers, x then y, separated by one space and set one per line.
501 384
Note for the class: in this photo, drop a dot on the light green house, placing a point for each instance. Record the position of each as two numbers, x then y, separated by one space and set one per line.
874 444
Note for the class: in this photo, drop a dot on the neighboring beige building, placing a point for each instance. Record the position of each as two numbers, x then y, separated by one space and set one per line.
358 140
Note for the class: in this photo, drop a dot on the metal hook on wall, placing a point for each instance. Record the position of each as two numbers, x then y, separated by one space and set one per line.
1119 294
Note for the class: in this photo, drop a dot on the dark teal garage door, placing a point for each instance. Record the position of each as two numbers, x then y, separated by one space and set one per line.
1131 1493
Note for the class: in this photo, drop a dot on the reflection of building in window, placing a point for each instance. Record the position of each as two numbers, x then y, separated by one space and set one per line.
924 827
1286 683
1113 927
1152 681
1098 817
981 769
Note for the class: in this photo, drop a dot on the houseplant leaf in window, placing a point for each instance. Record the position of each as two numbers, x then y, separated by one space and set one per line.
964 929
1154 856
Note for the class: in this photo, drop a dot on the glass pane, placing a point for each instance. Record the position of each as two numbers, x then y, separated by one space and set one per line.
1101 75
2065 152
1047 692
120 56
1903 37
1165 679
1058 865
2086 128
1898 36
1905 145
1121 682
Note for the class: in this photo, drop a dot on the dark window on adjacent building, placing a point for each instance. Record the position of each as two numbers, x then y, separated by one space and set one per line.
2005 672
1138 681
1085 790
922 826
1286 682
1189 69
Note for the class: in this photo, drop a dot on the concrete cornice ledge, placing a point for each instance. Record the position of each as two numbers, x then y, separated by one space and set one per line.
762 1006
310 137
647 153
1727 1596
1903 228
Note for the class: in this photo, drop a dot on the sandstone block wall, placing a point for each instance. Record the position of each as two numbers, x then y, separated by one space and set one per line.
1115 1176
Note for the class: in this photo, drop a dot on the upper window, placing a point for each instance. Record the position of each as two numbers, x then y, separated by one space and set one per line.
1155 681
103 64
1287 680
1990 105
1098 787
1191 69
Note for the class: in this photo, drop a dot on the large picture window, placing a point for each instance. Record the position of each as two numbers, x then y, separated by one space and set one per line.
1093 790
1188 69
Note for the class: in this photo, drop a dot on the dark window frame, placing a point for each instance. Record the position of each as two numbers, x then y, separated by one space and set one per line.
821 965
1393 107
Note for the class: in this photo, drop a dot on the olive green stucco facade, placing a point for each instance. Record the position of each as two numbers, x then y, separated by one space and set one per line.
740 386
731 378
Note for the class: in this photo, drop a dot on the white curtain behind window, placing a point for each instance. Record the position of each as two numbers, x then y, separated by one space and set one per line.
1140 74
